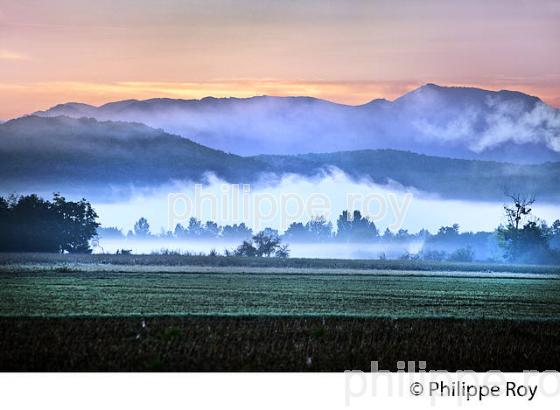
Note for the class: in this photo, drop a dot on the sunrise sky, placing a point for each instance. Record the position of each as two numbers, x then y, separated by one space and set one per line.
54 51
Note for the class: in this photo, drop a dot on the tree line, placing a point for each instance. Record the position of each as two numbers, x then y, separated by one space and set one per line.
32 224
523 239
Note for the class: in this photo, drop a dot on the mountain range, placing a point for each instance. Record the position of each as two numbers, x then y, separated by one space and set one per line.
455 122
91 157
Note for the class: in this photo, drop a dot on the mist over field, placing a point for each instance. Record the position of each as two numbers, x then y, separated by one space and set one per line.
297 249
297 199
389 206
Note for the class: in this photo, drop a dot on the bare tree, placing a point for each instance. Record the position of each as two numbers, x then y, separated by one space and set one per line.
520 209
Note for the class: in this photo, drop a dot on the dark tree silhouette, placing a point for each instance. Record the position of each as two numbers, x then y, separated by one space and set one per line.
77 226
267 242
524 239
246 249
32 224
520 209
355 227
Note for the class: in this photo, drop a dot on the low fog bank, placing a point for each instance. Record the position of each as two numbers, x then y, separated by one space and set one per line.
278 203
307 214
297 249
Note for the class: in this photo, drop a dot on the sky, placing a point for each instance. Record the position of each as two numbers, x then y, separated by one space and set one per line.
56 51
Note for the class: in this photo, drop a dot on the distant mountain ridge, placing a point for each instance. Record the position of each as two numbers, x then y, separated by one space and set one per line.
457 122
93 157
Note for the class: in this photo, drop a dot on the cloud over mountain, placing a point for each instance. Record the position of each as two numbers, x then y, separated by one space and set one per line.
448 121
86 155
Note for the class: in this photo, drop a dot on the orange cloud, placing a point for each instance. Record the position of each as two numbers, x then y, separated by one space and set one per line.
10 55
24 98
19 99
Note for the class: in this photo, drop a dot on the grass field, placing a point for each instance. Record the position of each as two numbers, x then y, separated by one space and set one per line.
61 312
118 291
